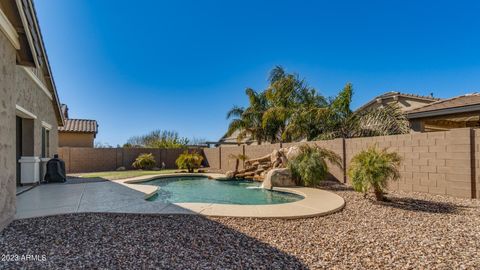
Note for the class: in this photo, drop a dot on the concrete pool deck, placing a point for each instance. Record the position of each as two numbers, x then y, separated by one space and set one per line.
129 196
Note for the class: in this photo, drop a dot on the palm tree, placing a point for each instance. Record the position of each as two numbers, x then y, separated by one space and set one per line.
371 169
290 110
340 122
248 121
306 118
289 99
388 120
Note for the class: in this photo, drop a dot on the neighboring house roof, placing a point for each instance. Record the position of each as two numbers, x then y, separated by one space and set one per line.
394 94
234 139
80 126
77 125
460 104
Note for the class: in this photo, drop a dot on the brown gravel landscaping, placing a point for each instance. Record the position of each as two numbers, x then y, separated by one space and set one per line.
412 231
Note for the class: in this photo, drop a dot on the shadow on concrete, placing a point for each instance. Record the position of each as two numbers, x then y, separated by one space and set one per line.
81 180
89 240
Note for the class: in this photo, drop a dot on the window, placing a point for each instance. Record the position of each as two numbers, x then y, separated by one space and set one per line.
45 142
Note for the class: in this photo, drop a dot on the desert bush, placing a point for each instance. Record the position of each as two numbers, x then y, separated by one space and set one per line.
310 166
371 169
189 161
144 161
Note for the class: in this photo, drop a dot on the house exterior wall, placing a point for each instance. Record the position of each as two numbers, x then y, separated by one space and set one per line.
19 88
476 151
75 139
31 97
7 131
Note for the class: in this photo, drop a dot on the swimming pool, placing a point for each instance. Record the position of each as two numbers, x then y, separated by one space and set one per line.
203 190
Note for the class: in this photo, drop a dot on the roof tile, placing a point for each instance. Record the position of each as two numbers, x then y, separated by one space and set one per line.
79 125
455 102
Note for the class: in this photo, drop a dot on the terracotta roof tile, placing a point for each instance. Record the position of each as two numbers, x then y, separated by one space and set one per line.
455 102
79 125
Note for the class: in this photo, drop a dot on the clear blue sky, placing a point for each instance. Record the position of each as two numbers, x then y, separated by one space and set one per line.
136 66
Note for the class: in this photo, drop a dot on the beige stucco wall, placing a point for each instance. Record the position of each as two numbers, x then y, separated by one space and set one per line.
18 88
31 97
7 131
72 139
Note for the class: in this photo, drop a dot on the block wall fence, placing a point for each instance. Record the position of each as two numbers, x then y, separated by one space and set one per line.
82 159
444 163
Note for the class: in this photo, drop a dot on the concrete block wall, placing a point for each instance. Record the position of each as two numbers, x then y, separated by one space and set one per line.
169 156
336 146
256 151
82 160
130 154
212 157
446 163
436 162
227 162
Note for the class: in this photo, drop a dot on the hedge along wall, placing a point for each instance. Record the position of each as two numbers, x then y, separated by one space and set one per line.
437 162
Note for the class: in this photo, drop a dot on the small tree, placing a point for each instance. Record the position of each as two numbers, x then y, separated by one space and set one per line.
237 158
144 161
310 166
371 169
189 161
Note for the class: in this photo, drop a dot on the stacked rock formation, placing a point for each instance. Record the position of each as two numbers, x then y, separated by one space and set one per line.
256 169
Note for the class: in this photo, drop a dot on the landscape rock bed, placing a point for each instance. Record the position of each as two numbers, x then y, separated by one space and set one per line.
412 231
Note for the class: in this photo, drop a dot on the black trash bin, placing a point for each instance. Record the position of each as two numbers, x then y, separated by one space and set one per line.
55 171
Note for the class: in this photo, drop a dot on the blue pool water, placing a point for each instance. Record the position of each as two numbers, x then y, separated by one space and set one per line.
204 190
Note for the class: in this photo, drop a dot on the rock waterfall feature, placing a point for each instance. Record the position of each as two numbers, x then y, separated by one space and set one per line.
270 169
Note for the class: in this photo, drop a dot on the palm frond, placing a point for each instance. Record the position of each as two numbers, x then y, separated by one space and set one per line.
236 111
235 125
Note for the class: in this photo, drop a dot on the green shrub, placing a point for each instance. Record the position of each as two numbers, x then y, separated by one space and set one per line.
310 166
189 161
144 161
371 169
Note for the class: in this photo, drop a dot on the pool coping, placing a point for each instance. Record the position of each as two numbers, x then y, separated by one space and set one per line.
316 202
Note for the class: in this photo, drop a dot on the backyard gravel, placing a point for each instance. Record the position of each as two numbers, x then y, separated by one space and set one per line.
413 231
